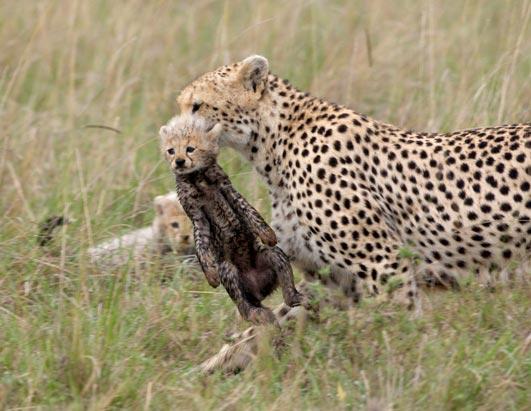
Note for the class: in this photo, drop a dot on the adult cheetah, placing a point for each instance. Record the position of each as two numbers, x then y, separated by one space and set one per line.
348 191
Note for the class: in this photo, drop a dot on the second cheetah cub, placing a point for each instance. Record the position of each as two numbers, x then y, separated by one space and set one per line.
170 232
234 245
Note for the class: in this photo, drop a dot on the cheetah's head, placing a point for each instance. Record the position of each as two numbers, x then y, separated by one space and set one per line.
232 95
189 144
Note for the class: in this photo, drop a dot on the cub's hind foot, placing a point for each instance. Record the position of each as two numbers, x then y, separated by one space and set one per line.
267 235
258 315
212 277
294 299
278 261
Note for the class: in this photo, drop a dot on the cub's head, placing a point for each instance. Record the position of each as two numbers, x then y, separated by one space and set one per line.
233 96
189 144
172 225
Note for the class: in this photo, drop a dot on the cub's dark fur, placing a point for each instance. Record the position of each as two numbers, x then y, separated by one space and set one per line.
234 245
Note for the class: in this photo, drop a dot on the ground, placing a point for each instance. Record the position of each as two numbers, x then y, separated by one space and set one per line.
73 337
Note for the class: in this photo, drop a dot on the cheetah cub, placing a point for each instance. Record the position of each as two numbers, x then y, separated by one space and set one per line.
170 231
234 245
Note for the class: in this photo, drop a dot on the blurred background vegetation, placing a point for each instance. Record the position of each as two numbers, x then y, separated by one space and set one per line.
74 337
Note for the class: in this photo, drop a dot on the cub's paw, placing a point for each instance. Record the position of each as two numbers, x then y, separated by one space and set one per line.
212 278
295 299
261 316
305 299
268 236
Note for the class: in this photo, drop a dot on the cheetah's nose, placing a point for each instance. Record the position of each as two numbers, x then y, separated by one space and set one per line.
179 162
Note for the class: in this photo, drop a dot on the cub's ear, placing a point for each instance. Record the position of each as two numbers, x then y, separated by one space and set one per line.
158 203
164 131
253 73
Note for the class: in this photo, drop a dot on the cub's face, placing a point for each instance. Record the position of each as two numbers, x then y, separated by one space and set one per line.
189 144
172 224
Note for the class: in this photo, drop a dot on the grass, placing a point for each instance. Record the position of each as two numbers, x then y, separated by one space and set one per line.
72 337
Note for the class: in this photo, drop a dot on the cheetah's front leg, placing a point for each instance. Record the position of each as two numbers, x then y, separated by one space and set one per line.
392 279
384 276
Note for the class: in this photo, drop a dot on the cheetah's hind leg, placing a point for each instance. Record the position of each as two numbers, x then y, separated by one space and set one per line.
230 278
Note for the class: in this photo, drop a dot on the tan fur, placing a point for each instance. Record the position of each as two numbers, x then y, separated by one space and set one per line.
186 132
172 226
171 230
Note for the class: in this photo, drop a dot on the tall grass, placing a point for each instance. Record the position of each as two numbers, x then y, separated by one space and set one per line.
73 337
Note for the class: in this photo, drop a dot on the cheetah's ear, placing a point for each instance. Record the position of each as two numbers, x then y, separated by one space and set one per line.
163 131
215 131
253 73
213 138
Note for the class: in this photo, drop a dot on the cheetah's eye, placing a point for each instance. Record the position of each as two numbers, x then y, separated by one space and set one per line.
170 151
190 149
175 224
196 106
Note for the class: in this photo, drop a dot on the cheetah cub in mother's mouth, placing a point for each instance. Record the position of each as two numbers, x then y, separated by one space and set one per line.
234 245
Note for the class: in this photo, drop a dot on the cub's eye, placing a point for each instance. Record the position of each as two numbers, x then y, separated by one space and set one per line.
190 149
170 151
196 106
175 224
